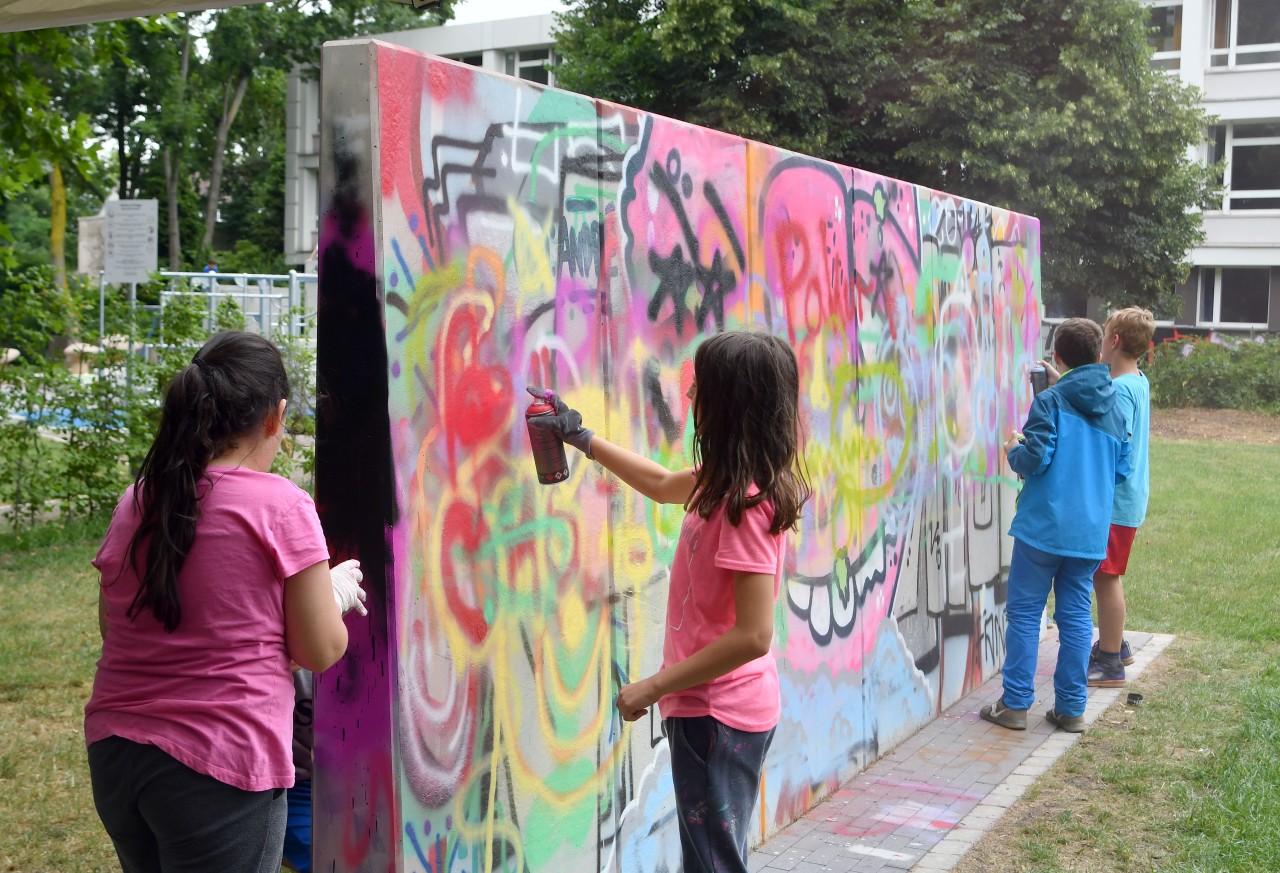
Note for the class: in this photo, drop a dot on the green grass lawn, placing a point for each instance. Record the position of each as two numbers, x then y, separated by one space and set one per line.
48 646
1188 782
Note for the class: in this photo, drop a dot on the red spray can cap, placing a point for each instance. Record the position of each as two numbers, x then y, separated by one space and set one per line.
541 406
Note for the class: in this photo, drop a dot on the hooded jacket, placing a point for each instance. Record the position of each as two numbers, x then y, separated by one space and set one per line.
1074 451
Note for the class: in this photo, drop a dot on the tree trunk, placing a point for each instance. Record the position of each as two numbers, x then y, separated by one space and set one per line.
173 164
171 208
122 97
58 250
122 153
230 107
58 226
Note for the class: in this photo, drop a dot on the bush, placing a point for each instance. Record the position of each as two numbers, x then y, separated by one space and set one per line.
248 257
1216 373
69 444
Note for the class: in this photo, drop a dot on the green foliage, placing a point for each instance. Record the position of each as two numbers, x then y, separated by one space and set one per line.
1060 115
253 256
69 443
1050 109
252 214
1217 374
228 316
794 74
36 127
33 310
297 457
27 215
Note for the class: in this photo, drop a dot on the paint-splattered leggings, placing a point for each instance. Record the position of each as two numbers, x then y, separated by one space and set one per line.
716 770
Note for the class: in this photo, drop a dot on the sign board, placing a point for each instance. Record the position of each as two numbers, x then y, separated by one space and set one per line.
133 226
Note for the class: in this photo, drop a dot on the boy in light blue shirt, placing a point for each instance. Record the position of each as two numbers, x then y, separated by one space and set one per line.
1126 338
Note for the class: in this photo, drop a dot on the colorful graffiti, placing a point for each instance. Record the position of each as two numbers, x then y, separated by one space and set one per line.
522 235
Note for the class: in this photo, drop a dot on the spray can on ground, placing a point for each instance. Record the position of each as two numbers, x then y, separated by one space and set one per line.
1039 378
549 457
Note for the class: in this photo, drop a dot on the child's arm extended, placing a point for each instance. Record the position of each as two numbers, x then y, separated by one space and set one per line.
749 638
648 477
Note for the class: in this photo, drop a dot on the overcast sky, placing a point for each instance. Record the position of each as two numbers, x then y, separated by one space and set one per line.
468 11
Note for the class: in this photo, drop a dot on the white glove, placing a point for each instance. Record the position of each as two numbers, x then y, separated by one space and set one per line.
348 594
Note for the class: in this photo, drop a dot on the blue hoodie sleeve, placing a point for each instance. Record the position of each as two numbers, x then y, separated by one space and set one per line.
1040 439
1124 461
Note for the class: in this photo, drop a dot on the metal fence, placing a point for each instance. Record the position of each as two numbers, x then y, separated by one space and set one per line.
271 303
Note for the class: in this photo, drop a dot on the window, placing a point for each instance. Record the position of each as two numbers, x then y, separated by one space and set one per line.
1252 173
471 60
532 65
1235 295
1165 36
1245 32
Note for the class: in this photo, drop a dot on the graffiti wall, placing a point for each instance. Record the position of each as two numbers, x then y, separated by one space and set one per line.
481 234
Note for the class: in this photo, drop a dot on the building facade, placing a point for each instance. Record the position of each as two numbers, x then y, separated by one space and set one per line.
1230 51
520 47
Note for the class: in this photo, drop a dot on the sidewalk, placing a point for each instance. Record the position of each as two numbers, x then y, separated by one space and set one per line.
923 805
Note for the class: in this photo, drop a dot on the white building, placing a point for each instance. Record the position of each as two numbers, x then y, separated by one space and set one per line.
1230 50
521 47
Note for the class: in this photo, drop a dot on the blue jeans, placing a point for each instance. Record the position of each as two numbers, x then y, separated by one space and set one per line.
297 828
716 771
1031 573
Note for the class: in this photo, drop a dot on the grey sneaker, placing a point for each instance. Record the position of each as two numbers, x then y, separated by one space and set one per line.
998 713
1126 654
1072 724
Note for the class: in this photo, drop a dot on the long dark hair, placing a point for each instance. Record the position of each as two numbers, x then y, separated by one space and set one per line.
747 428
227 391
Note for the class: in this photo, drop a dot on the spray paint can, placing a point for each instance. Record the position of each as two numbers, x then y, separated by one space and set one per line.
549 457
1039 378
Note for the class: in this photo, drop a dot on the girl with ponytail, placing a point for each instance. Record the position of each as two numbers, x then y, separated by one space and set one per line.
215 579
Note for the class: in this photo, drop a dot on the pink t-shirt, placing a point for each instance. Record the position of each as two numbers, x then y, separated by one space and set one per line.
700 607
216 694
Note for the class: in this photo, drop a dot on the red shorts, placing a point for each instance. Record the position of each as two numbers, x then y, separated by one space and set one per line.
1119 544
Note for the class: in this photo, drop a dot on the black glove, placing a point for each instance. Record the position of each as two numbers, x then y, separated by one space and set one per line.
565 424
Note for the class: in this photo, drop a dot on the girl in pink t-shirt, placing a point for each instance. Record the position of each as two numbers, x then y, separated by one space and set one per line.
215 577
718 686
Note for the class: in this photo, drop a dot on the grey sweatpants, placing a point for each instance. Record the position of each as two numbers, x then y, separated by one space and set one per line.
164 817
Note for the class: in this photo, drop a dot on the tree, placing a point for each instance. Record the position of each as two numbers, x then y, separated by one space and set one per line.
1050 109
138 97
174 128
247 42
786 72
38 135
251 215
1060 115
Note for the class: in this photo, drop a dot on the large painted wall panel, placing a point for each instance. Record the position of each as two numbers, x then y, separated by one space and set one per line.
496 234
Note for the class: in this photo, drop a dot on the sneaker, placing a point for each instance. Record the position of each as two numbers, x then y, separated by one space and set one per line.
1126 654
998 713
1072 724
1104 675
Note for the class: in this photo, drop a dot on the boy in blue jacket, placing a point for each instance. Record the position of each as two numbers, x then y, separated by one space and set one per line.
1072 452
